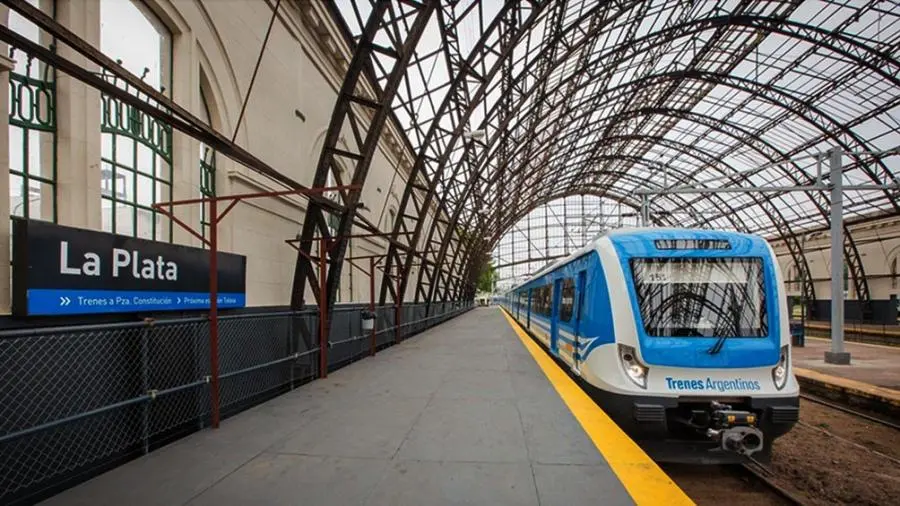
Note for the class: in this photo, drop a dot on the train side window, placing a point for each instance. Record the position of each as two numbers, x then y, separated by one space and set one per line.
543 300
548 301
567 301
537 298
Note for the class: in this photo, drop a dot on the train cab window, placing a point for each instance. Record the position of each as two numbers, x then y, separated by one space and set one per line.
567 300
701 297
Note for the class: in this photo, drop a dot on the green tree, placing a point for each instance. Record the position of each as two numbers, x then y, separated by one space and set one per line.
487 276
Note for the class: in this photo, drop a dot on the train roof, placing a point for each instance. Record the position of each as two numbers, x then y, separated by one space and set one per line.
645 232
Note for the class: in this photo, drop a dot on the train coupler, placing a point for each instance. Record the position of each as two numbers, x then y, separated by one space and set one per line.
734 430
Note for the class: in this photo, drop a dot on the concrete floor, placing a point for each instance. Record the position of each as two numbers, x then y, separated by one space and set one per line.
873 364
460 414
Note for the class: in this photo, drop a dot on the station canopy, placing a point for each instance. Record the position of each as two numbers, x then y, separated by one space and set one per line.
510 105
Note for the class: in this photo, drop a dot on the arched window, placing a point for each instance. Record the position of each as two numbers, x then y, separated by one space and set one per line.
207 162
331 181
894 273
846 279
32 126
136 150
333 220
792 277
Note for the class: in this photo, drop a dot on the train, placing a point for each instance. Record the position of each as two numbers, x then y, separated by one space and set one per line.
680 335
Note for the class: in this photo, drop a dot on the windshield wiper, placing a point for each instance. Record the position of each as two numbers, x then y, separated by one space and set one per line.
734 312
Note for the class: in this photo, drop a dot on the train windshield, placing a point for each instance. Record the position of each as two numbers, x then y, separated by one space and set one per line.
701 297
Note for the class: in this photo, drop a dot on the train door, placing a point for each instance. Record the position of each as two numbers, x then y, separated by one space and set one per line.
554 317
580 286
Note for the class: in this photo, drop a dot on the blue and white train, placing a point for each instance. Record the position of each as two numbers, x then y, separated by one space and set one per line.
681 336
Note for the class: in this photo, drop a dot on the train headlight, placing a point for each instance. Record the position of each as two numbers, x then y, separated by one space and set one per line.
780 371
634 369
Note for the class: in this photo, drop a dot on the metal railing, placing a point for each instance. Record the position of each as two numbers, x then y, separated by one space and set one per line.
75 400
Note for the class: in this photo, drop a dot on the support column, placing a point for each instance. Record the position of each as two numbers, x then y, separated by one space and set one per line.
837 355
6 65
78 124
185 165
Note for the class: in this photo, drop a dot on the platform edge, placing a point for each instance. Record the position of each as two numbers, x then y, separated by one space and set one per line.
642 478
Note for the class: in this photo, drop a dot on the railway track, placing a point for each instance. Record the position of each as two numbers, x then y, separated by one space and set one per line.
764 475
778 483
858 335
850 411
733 484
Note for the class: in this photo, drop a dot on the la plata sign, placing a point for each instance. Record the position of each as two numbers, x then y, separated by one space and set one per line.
123 260
61 270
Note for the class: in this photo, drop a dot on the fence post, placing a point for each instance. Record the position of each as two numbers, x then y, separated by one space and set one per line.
200 360
145 382
373 344
397 308
291 347
323 311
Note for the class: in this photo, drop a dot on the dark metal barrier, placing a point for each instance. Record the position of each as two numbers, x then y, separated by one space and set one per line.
75 401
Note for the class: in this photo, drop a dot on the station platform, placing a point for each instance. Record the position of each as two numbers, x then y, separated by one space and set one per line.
468 412
872 364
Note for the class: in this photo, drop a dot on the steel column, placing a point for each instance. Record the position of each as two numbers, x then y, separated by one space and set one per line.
214 310
372 302
837 355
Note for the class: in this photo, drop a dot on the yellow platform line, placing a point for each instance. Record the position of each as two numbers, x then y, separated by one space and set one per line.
639 474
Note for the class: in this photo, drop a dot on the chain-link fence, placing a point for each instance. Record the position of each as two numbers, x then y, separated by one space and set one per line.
77 400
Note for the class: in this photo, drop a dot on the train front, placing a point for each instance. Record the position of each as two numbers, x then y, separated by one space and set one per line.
708 357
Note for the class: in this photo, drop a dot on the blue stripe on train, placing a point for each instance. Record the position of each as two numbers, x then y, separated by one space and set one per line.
544 323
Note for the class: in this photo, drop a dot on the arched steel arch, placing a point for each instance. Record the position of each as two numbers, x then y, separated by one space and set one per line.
853 259
363 107
851 252
760 145
536 75
466 90
800 109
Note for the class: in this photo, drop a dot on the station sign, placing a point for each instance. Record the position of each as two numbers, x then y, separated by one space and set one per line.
61 270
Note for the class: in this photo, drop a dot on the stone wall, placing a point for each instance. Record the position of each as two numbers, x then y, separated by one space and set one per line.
215 45
878 242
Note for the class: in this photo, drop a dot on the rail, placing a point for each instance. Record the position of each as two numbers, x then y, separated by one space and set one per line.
864 333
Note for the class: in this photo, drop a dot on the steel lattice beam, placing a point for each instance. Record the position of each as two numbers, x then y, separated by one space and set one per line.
851 254
362 108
